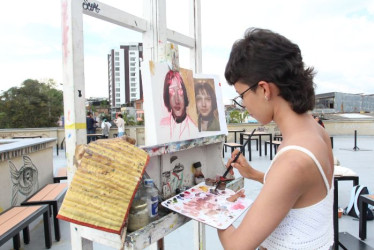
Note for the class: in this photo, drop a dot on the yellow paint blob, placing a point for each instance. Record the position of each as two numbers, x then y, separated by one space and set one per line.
204 188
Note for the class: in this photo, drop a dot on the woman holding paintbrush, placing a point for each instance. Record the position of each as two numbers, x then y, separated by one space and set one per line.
294 209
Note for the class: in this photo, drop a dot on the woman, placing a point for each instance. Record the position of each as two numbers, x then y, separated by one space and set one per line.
294 209
206 105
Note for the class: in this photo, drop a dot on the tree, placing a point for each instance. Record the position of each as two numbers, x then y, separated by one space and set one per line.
33 105
238 117
130 120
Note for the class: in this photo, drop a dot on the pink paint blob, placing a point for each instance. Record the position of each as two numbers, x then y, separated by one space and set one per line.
238 206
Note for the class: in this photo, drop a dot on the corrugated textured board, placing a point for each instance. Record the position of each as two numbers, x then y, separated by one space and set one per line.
104 185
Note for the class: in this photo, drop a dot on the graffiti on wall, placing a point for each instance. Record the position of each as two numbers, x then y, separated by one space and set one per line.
25 180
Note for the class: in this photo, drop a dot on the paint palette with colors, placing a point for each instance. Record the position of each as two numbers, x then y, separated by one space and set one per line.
201 204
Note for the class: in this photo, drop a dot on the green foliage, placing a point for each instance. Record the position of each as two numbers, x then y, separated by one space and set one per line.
104 104
33 105
130 120
237 116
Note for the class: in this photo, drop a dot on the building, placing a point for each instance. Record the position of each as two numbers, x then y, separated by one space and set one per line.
124 76
336 102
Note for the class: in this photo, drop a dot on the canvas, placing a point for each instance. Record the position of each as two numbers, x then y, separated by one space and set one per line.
171 108
200 204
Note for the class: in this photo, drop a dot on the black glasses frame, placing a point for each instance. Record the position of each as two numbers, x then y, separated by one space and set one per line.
239 98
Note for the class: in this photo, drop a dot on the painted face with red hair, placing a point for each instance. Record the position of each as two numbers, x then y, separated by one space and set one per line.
175 96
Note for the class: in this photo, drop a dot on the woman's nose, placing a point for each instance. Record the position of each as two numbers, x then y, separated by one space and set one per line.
177 98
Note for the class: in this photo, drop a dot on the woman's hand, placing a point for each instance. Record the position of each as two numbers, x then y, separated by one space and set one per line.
244 168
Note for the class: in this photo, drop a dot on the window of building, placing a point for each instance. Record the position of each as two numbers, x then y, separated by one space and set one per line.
118 79
116 58
325 103
132 74
117 68
118 89
133 89
116 63
118 74
116 53
133 95
132 59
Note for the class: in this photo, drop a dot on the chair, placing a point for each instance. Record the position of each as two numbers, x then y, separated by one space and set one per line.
274 143
233 146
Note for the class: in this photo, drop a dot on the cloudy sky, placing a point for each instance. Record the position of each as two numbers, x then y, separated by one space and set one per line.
336 37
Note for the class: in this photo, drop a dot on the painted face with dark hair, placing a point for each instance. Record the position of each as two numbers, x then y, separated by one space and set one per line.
176 96
204 102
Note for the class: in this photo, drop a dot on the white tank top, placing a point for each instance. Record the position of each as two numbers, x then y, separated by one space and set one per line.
308 227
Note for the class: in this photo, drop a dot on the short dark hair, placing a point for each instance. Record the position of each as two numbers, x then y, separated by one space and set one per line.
168 79
204 85
89 113
120 115
263 55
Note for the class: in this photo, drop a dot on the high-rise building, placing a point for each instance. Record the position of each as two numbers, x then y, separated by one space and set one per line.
124 77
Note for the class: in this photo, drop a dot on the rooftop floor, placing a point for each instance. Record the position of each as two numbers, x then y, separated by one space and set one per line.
360 161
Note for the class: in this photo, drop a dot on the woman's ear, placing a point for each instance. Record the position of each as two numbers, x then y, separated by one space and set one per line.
266 89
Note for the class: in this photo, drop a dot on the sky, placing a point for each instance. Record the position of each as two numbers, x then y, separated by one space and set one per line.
336 37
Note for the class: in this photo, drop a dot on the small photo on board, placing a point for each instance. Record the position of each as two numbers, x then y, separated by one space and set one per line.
206 105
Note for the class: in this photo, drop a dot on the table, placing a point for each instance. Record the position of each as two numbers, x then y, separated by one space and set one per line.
50 195
18 218
97 136
355 180
235 131
259 134
364 200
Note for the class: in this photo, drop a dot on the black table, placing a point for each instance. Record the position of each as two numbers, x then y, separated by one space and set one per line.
235 131
259 134
355 180
364 200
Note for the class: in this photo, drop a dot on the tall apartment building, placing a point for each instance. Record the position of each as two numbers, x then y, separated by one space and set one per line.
124 77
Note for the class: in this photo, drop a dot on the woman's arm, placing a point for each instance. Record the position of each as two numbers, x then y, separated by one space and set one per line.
246 170
278 195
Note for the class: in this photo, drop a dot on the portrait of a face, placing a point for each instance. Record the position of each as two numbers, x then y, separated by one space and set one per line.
206 105
175 95
204 102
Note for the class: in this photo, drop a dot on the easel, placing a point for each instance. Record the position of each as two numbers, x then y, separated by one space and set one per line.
154 40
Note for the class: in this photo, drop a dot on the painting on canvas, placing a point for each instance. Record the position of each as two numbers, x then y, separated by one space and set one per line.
170 107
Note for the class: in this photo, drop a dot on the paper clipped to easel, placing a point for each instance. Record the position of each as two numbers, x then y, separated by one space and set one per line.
200 204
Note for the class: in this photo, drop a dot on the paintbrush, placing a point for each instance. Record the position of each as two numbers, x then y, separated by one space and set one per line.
227 171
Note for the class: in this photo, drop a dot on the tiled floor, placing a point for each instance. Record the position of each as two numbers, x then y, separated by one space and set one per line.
361 161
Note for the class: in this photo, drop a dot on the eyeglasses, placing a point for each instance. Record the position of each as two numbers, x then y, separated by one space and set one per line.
239 99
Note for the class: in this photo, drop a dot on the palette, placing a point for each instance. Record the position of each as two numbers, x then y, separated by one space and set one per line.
199 203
